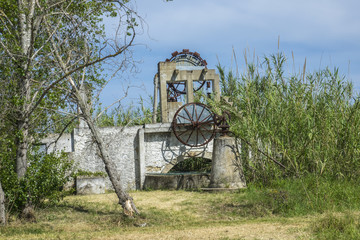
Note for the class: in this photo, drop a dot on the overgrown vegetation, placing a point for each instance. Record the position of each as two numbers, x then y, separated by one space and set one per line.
300 150
45 178
293 126
130 116
51 57
193 164
337 227
296 197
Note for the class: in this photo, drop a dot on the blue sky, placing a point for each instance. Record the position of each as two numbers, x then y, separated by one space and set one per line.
325 32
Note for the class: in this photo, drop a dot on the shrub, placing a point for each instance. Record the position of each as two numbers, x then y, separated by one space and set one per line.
44 179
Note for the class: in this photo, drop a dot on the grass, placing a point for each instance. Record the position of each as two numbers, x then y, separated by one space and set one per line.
338 227
295 209
308 195
165 214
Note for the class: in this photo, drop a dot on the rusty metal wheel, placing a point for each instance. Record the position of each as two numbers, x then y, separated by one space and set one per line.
194 124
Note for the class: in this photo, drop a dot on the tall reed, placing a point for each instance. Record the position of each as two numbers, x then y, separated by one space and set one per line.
293 125
130 116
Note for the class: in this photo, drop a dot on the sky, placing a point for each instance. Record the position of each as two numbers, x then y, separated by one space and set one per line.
325 32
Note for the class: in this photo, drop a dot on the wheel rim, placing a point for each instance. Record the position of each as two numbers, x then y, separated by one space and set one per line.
194 124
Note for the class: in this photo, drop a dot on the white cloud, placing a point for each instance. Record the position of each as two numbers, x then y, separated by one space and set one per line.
306 20
319 30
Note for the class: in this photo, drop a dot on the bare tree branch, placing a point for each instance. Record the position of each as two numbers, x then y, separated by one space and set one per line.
68 73
117 101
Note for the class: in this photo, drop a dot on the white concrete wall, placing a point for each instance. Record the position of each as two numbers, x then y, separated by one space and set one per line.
54 144
120 144
136 151
162 150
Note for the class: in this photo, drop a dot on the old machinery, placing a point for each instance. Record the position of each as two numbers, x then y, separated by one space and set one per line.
195 125
185 60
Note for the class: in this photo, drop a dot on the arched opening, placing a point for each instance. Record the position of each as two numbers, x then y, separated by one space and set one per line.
182 173
183 162
192 165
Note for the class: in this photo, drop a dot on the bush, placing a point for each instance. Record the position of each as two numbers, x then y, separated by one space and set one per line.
44 179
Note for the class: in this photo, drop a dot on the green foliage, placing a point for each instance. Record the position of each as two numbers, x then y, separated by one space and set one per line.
65 40
299 138
193 164
297 197
125 117
337 227
44 179
308 122
32 79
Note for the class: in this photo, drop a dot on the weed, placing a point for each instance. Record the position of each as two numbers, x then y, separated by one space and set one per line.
298 197
337 227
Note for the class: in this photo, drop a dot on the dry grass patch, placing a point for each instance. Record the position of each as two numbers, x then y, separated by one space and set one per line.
164 215
238 231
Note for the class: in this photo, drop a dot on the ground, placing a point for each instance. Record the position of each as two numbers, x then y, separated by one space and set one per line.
164 215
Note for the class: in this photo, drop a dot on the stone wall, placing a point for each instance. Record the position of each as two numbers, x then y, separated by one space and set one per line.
122 146
136 151
52 144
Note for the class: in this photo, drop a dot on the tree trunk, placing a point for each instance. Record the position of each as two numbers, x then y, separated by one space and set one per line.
2 207
125 200
22 148
26 15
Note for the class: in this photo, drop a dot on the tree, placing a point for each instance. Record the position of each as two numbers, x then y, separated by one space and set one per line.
50 48
2 207
124 199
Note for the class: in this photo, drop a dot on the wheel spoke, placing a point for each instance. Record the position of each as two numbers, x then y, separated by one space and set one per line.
183 133
202 135
196 116
197 136
187 112
201 113
184 118
189 136
207 118
210 122
206 129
